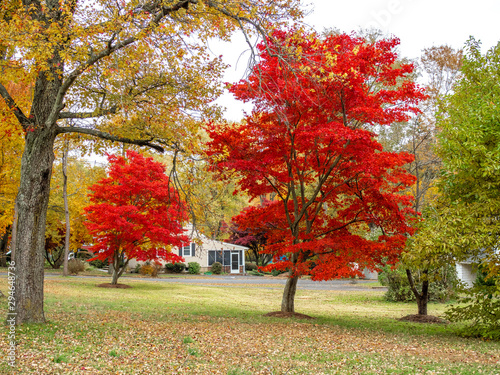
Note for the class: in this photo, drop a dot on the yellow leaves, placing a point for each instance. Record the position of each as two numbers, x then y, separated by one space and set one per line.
11 148
331 58
80 177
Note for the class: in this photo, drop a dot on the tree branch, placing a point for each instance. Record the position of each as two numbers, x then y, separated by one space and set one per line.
83 115
110 137
412 284
11 103
110 48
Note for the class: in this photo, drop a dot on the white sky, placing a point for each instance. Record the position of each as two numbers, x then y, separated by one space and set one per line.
418 24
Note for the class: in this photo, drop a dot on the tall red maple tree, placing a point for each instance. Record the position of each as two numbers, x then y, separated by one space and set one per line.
135 213
311 141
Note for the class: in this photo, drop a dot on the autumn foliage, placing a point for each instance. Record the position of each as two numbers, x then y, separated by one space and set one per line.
311 140
135 213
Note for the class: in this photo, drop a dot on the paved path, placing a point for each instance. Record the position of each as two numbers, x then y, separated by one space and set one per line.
265 282
277 282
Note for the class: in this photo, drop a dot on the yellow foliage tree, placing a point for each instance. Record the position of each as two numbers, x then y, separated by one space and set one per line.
11 148
125 71
81 175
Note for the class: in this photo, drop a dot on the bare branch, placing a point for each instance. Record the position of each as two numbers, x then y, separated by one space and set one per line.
110 48
110 137
83 115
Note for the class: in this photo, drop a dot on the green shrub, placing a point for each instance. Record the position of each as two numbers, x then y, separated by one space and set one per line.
443 288
251 267
75 266
194 268
277 272
98 263
217 268
175 267
255 273
84 254
169 267
480 307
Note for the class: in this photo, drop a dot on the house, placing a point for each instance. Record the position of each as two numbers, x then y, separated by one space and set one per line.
466 272
206 252
467 269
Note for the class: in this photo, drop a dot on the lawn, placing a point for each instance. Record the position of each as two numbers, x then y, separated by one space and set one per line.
165 328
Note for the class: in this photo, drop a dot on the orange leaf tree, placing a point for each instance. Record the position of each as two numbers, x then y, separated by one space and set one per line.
309 141
136 214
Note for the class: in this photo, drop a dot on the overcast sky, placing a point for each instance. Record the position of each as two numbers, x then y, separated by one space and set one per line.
417 23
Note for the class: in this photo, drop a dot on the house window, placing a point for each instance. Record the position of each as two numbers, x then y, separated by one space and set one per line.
189 251
214 256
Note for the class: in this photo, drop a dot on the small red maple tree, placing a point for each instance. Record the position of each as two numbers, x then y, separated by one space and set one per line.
309 141
135 214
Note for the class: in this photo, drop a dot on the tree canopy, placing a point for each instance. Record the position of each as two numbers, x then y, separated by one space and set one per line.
135 213
309 141
467 215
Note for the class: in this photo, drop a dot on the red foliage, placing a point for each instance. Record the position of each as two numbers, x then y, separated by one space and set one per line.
135 212
310 141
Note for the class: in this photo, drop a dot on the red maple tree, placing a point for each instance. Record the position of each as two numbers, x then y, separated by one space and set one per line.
135 214
310 140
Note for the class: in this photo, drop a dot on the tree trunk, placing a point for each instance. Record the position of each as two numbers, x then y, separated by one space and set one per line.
422 298
66 208
288 301
14 231
114 280
117 270
32 202
4 241
422 306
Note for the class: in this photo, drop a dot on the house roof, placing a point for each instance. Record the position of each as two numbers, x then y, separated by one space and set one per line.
211 244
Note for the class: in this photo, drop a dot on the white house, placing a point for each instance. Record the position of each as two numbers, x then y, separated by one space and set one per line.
466 272
206 251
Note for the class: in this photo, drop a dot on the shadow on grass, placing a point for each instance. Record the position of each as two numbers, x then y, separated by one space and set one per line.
387 325
133 285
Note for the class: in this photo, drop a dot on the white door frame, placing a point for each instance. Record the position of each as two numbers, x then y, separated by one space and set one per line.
238 269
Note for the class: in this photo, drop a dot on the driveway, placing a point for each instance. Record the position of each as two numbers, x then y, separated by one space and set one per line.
276 282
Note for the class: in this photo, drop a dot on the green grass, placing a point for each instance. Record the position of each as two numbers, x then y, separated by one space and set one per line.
187 340
157 327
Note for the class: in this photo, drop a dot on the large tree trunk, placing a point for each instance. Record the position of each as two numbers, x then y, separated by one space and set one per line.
32 201
288 301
